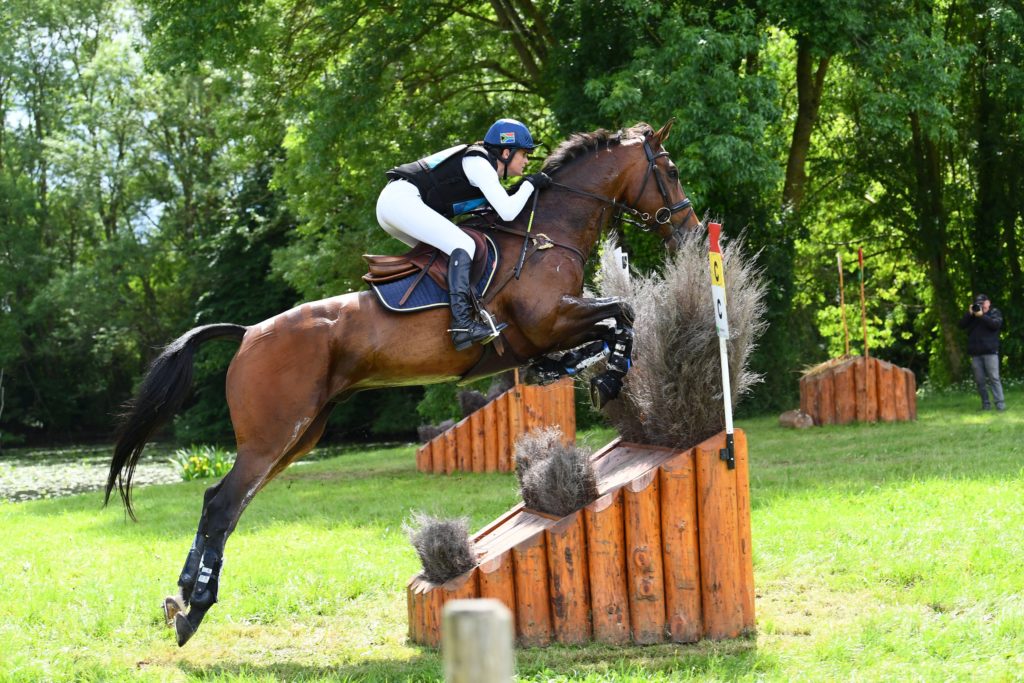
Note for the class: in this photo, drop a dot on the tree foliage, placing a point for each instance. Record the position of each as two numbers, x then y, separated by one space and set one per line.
166 164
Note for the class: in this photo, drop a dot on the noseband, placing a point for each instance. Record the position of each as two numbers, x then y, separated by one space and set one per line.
633 216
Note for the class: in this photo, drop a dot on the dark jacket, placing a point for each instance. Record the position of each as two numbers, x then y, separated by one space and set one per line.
442 183
983 332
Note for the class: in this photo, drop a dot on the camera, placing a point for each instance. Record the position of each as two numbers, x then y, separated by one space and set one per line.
975 308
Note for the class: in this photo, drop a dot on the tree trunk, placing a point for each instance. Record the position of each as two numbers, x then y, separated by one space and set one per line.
810 82
930 240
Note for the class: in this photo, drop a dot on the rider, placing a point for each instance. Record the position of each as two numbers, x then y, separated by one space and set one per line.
422 197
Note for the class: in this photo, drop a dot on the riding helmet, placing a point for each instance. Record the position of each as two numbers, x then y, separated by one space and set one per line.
509 133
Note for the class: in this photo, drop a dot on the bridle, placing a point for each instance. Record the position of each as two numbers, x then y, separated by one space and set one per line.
625 213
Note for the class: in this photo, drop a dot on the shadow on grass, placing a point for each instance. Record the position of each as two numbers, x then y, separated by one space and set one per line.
721 660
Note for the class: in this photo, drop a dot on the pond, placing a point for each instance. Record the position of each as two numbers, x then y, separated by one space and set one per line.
30 473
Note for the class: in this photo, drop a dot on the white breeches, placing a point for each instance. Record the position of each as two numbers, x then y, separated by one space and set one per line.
404 216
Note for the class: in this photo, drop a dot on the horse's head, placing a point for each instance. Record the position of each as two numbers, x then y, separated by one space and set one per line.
630 171
651 187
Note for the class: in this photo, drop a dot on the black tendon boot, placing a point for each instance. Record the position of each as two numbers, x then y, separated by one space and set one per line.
466 330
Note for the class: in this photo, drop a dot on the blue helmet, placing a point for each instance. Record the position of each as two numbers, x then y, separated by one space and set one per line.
509 133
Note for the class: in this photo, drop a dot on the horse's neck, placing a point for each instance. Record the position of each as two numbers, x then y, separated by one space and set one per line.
578 220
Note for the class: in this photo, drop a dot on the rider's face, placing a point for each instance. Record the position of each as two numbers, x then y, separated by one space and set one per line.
517 162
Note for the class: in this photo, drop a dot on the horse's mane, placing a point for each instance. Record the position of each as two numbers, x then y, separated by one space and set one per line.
580 144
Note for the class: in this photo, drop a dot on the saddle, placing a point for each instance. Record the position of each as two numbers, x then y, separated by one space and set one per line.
424 257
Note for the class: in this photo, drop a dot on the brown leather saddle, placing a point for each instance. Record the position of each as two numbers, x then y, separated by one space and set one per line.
421 260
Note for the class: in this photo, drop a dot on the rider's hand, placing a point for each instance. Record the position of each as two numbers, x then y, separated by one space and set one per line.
539 180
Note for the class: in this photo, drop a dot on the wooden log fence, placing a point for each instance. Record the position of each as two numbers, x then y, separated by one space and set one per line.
859 390
485 440
663 555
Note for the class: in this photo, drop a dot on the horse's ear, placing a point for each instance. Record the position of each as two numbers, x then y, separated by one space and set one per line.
662 134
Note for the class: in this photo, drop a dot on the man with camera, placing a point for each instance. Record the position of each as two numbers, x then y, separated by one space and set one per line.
983 322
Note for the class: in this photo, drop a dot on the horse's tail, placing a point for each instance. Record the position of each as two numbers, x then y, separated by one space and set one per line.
164 389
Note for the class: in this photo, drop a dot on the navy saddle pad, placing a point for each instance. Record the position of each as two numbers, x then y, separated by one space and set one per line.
428 294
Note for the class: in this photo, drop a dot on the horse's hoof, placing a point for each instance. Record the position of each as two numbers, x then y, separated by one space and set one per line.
182 628
173 605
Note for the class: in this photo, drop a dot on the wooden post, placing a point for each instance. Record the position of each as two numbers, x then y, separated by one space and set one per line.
463 445
678 485
567 573
644 564
497 580
423 462
476 642
845 394
826 397
476 449
719 529
533 606
504 443
606 546
490 437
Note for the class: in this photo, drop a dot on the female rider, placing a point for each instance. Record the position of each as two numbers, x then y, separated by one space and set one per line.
422 197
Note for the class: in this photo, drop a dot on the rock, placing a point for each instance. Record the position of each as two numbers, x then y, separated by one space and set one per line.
796 419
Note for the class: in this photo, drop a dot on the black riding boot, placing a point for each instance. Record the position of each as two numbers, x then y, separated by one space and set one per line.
466 330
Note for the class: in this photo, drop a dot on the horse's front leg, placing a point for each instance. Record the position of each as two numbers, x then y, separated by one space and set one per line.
584 326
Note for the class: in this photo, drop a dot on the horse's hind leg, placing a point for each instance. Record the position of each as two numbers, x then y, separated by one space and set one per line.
223 506
220 514
190 572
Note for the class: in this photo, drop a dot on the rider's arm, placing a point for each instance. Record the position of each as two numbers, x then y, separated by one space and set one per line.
482 175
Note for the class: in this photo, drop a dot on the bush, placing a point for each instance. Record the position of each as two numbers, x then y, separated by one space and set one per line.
673 394
201 462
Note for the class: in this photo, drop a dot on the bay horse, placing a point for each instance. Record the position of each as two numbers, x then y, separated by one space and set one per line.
290 369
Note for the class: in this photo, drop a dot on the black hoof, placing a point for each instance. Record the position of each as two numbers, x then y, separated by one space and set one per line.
182 628
173 605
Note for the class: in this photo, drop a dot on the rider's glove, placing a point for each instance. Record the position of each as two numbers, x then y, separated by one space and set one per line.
539 180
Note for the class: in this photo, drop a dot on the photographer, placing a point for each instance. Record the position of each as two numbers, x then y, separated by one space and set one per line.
983 322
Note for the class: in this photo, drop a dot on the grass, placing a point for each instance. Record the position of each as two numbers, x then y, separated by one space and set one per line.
881 552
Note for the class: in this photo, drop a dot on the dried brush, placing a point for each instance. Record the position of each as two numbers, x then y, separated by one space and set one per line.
553 477
443 546
673 394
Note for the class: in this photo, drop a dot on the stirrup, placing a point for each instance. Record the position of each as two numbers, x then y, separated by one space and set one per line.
490 322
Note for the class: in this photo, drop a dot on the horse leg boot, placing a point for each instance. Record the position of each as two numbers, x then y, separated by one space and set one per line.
220 517
607 386
190 572
465 330
204 595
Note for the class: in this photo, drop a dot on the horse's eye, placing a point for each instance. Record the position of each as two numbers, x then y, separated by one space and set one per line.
673 174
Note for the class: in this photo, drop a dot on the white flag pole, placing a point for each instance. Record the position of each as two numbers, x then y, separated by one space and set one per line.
722 326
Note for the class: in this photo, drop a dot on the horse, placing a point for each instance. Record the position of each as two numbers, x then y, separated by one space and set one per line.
290 369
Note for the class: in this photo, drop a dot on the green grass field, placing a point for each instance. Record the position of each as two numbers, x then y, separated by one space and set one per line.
881 552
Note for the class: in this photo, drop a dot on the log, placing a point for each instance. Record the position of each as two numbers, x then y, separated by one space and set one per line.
718 528
476 426
845 394
826 399
644 568
886 394
463 446
497 580
567 573
491 446
533 605
606 546
678 486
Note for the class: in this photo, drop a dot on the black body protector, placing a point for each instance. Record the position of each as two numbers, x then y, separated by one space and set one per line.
443 185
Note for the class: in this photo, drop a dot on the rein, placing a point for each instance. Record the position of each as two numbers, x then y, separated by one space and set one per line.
633 216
